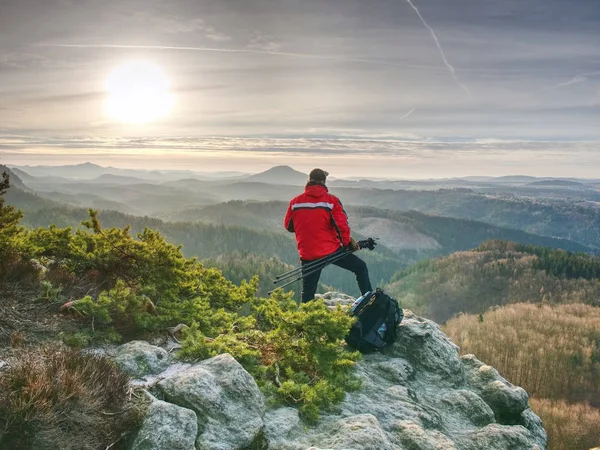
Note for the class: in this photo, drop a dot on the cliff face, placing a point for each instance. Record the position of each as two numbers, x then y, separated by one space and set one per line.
418 395
421 395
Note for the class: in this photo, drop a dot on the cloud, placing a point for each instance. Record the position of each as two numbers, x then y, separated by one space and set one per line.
62 98
341 146
216 36
388 157
170 24
311 66
180 25
264 42
259 47
27 60
575 80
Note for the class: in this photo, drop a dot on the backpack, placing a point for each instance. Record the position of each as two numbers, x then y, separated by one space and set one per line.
378 316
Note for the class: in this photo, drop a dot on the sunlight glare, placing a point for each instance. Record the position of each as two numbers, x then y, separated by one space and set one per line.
138 92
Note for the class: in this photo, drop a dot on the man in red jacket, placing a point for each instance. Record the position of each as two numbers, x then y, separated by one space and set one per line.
321 226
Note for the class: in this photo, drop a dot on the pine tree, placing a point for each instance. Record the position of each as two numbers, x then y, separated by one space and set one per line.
9 229
9 216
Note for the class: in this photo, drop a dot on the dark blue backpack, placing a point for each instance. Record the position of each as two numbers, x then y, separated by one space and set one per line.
378 317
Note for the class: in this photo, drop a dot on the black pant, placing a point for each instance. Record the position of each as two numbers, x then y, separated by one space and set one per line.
351 262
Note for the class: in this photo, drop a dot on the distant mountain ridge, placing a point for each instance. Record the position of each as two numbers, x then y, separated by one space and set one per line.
90 171
554 211
279 175
554 183
117 179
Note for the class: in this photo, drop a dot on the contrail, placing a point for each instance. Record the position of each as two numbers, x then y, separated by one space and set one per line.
575 80
407 114
437 42
244 50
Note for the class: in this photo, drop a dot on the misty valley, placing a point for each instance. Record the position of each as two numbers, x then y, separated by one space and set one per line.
508 266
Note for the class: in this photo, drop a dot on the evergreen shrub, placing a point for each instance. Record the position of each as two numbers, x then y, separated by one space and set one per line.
294 353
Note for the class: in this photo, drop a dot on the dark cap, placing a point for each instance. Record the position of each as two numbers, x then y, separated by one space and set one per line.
317 175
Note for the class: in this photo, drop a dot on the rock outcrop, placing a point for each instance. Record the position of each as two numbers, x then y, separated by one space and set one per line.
420 395
167 426
226 399
417 395
138 359
332 299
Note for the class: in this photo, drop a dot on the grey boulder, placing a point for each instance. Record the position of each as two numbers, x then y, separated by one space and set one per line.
167 426
414 437
499 437
281 426
416 395
469 405
333 299
226 399
506 400
356 432
138 359
422 343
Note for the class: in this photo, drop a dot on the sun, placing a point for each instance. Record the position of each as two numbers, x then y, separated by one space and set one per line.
138 93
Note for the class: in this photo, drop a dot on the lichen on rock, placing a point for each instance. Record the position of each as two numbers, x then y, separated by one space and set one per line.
506 400
138 359
167 426
226 399
418 394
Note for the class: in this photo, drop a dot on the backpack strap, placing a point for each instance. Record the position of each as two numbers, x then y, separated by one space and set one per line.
335 226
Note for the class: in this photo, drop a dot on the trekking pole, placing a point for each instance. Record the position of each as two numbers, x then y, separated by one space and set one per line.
299 277
310 271
298 269
326 260
313 264
317 264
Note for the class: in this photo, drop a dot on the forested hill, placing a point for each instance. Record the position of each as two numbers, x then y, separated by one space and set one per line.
566 219
574 220
497 273
562 212
428 234
552 351
245 229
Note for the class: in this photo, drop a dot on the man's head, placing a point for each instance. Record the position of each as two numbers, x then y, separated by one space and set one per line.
317 176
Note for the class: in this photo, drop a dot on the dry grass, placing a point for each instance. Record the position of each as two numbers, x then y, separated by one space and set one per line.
569 426
551 351
56 398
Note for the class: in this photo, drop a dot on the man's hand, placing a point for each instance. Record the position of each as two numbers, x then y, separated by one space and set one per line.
369 243
353 245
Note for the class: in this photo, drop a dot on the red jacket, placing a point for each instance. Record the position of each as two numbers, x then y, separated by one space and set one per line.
319 221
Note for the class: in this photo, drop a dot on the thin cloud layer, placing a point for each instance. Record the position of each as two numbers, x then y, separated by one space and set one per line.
323 78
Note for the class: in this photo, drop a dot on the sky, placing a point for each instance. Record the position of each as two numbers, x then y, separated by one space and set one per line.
391 88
